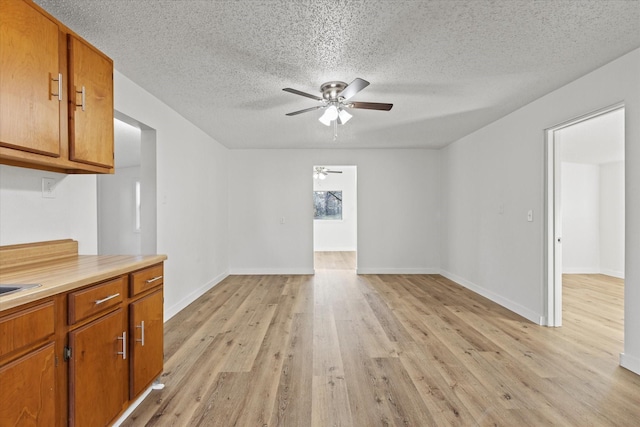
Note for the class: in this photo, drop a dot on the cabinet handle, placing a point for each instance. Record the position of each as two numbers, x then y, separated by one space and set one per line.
141 327
100 301
59 80
83 93
124 345
154 279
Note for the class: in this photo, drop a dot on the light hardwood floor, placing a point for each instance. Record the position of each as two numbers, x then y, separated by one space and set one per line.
337 349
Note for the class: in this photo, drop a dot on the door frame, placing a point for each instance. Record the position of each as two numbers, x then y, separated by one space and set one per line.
553 216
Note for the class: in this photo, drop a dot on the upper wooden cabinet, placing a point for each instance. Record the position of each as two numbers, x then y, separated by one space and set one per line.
30 86
56 95
90 104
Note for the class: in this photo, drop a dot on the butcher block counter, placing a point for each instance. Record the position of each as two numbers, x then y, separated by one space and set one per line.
64 272
91 331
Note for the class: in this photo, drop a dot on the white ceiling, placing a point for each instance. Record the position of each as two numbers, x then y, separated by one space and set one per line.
595 141
449 67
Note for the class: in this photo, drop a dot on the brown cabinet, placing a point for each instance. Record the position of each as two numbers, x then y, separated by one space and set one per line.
27 366
97 369
56 95
30 86
79 349
146 331
90 104
115 344
28 389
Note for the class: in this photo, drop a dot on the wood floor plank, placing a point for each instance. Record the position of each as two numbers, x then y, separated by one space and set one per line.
248 339
327 361
338 349
330 402
293 401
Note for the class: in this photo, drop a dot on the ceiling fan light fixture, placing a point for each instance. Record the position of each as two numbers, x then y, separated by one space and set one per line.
330 114
344 116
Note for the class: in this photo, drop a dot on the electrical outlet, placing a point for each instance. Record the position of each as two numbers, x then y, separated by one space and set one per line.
49 188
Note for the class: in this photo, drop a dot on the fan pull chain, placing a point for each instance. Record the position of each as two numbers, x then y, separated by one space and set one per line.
335 130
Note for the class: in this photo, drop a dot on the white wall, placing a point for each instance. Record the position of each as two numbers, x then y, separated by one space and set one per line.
117 207
593 218
502 255
192 204
612 219
25 216
399 235
338 235
580 196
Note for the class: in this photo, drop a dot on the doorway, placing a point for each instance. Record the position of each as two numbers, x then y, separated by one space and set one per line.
585 201
127 198
335 221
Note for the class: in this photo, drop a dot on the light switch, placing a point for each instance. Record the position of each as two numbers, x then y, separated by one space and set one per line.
49 188
530 216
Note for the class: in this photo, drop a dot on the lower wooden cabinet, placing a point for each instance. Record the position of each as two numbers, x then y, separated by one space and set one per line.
28 387
97 369
146 332
81 357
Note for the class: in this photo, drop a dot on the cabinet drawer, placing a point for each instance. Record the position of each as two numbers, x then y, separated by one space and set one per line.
26 327
93 300
146 279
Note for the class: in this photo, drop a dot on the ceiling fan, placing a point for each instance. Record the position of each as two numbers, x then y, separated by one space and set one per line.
321 172
335 100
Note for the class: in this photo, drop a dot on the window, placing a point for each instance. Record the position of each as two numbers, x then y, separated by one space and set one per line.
327 205
136 226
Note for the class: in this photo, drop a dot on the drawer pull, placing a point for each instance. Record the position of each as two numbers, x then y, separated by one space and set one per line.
100 301
154 279
141 327
124 345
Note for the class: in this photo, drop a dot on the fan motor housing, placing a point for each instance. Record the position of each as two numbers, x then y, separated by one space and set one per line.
331 90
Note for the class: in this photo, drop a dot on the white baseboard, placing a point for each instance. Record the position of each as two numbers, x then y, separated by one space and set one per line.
334 249
271 271
612 273
629 362
506 303
132 408
375 270
578 270
169 312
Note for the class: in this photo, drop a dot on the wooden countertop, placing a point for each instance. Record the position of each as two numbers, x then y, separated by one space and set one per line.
68 273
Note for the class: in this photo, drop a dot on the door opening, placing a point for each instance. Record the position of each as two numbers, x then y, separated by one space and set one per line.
585 192
335 217
127 199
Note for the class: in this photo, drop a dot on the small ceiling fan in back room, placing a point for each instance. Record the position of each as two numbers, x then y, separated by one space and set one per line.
335 100
321 172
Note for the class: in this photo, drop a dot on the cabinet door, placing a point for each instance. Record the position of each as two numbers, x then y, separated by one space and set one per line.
147 353
29 101
28 389
90 105
97 371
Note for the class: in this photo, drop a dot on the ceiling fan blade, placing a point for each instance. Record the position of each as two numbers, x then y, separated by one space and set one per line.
371 106
297 92
333 171
295 113
354 87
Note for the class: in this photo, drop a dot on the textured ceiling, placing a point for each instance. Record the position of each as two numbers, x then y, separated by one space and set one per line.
449 67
